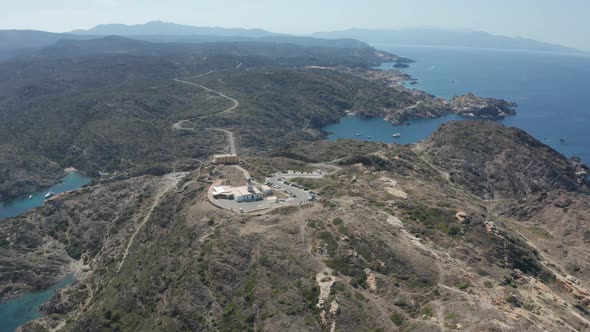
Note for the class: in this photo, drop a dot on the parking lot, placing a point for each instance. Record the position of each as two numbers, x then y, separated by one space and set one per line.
298 194
295 195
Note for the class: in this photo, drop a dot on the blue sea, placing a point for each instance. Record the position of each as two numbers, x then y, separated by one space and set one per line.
12 208
552 92
16 312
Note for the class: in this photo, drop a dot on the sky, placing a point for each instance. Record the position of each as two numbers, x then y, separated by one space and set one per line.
565 22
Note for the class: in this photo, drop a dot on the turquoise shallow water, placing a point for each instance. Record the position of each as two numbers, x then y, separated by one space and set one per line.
18 311
15 312
552 92
73 180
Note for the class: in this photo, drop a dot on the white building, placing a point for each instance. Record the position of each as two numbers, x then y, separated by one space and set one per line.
247 194
266 190
239 194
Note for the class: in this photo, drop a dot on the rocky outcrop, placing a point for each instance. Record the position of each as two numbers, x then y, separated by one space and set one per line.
470 105
494 161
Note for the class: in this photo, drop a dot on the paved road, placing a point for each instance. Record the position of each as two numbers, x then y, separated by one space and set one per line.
301 195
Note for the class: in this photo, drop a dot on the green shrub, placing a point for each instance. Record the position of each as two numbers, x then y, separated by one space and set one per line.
513 300
397 319
454 230
463 285
328 239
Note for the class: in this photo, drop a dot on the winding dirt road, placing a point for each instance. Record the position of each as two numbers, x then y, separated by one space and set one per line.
234 101
168 182
230 138
235 104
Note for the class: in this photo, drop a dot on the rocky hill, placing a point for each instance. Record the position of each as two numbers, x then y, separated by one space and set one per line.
479 228
496 162
470 105
395 244
107 105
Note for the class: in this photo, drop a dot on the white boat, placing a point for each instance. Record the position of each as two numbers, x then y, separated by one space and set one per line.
357 135
396 135
49 194
30 196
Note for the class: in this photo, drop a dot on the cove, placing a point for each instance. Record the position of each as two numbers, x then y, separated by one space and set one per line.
16 312
379 130
17 206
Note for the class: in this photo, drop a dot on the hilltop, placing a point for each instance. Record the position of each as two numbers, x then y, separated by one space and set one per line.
394 244
479 228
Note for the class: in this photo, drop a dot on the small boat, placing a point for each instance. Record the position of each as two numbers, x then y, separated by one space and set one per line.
357 135
30 196
369 136
49 194
396 135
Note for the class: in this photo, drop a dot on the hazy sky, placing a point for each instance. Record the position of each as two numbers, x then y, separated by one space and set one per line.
565 22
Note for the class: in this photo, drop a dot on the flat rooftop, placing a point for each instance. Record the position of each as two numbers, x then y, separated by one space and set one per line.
236 191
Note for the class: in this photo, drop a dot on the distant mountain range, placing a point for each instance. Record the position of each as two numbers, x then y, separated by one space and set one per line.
159 28
26 42
22 42
444 37
158 31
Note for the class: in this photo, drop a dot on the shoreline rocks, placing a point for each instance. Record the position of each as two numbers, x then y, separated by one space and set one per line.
470 105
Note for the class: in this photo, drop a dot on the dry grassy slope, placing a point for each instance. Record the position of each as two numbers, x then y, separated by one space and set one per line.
384 250
557 223
397 261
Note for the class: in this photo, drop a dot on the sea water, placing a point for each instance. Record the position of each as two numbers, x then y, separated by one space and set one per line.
16 312
552 92
379 130
12 208
24 308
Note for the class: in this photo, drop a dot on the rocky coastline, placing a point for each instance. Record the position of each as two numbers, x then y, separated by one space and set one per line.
419 104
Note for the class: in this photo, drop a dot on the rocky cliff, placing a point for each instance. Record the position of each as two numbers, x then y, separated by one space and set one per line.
494 162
